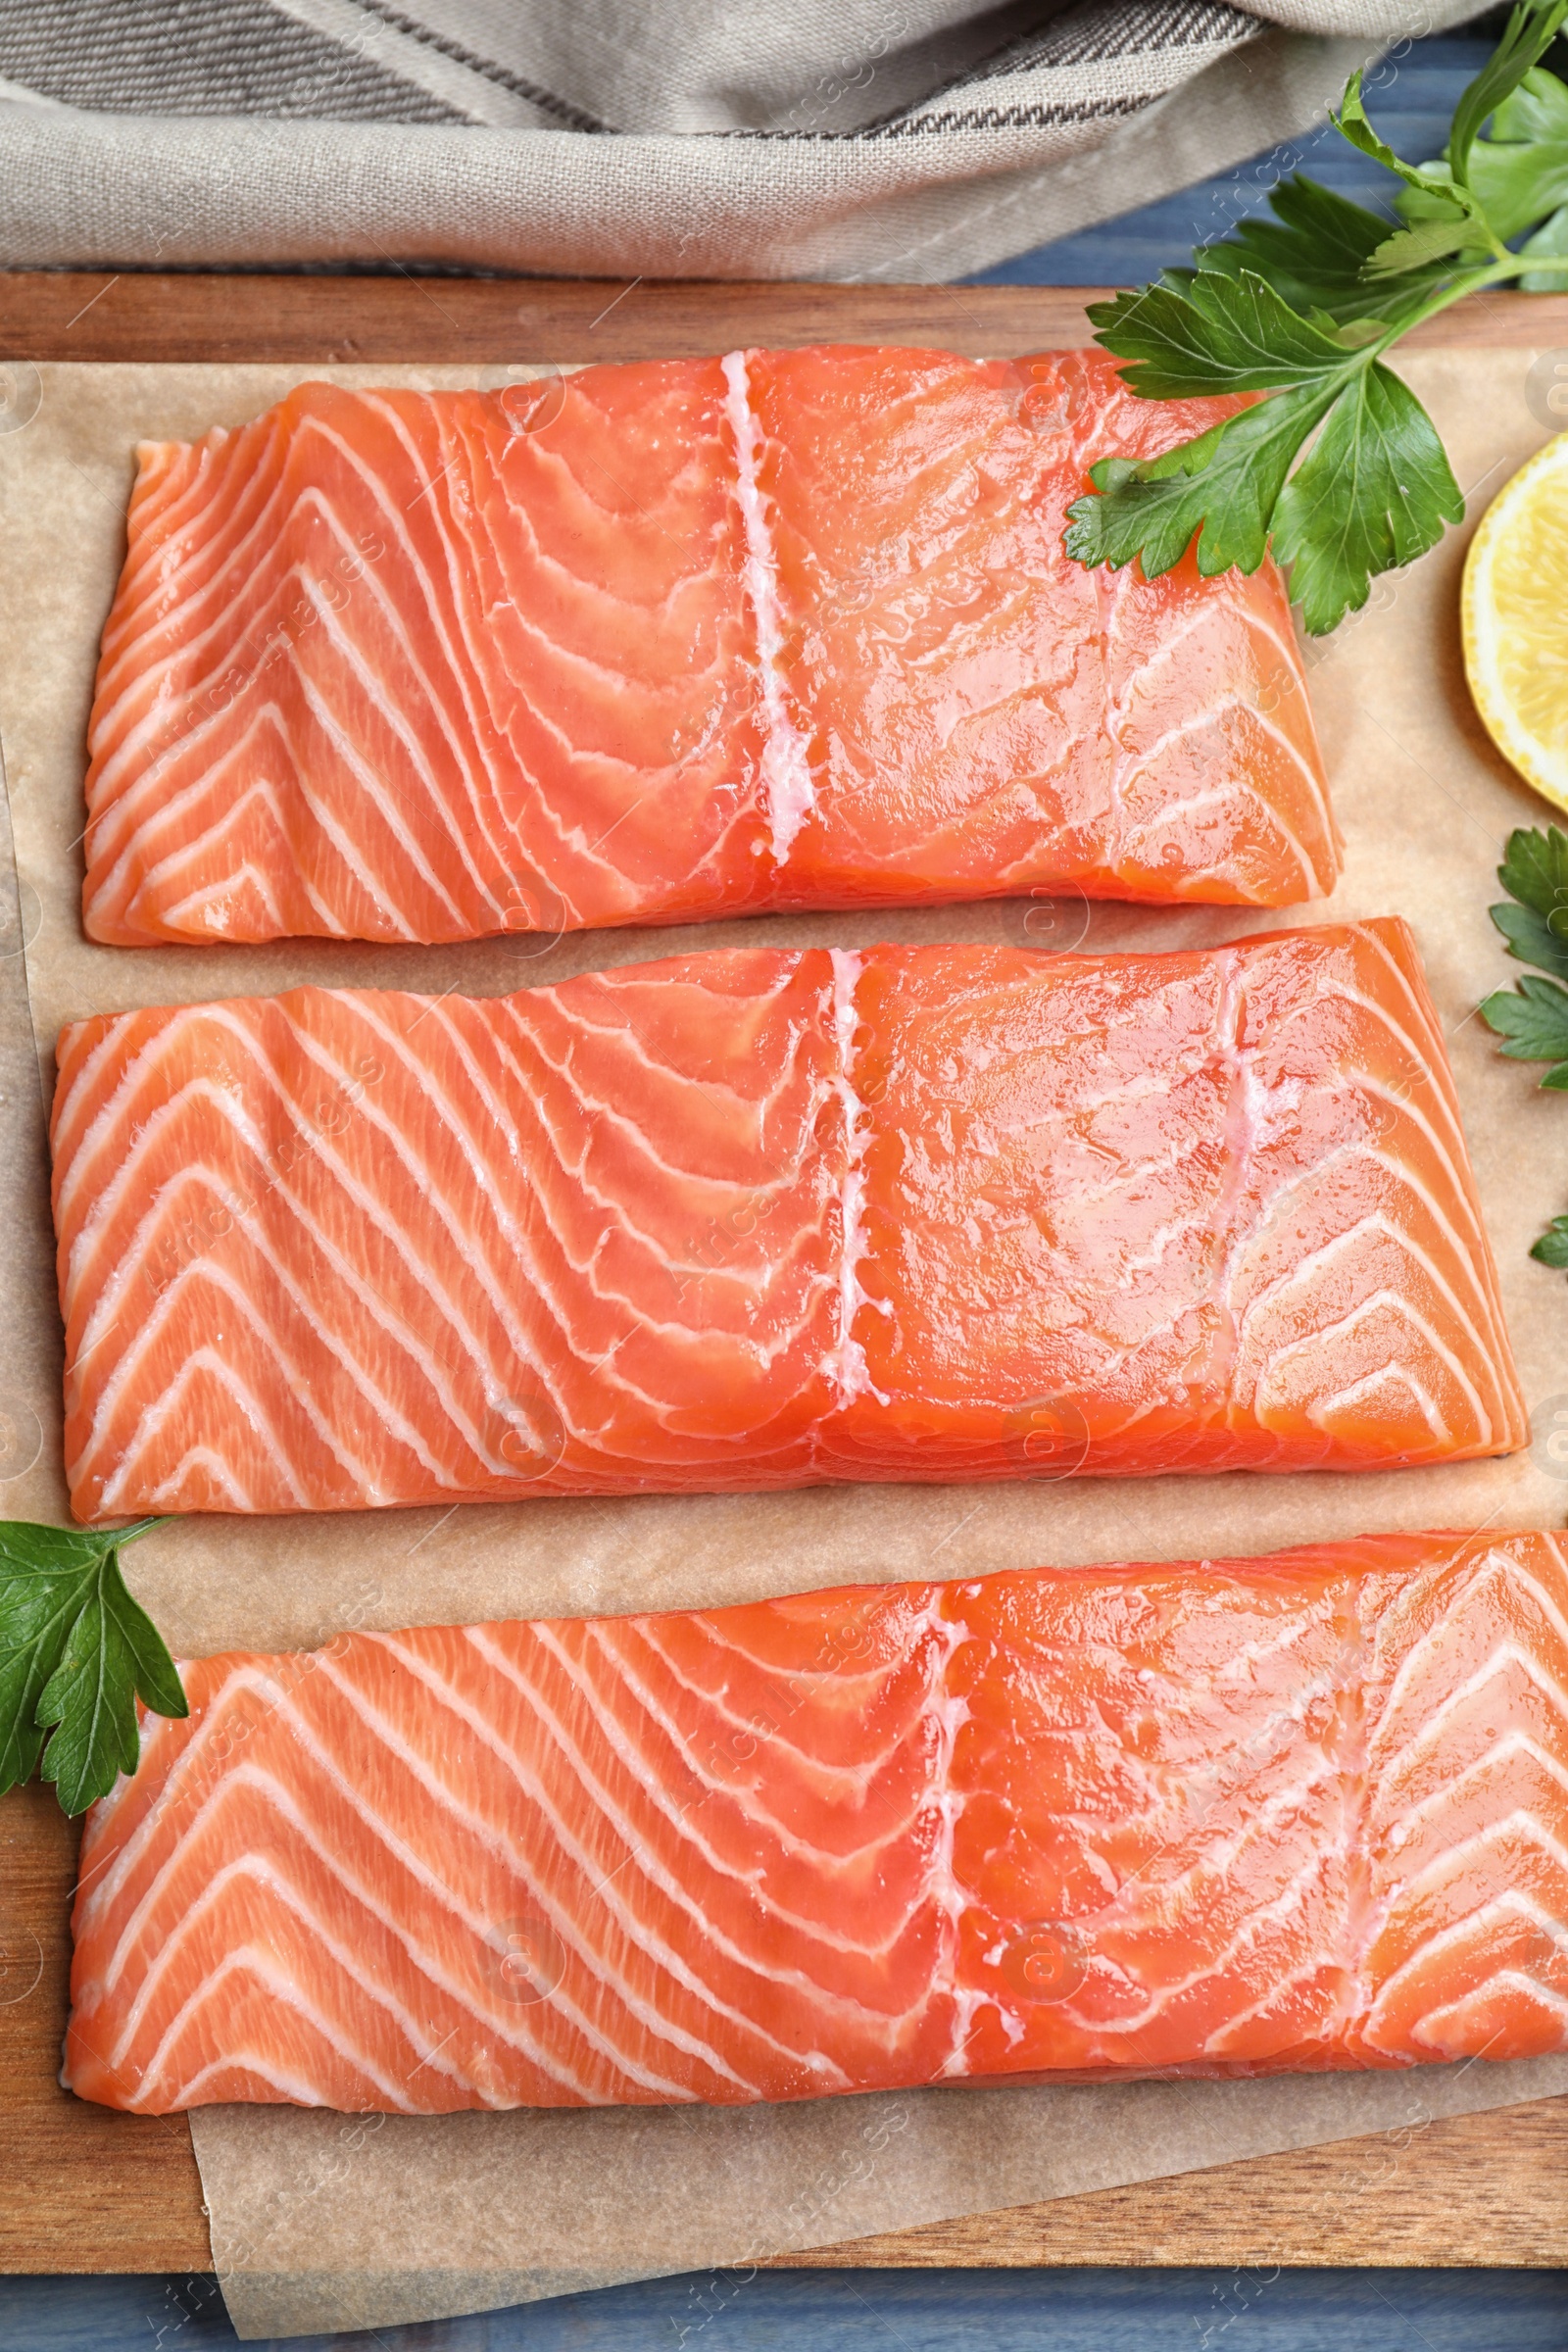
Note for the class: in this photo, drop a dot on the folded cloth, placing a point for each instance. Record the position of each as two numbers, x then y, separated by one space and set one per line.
892 140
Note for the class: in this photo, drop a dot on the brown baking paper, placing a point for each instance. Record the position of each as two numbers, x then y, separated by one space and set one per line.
322 2222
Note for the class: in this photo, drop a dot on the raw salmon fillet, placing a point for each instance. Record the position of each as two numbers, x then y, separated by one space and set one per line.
685 639
1228 1817
762 1218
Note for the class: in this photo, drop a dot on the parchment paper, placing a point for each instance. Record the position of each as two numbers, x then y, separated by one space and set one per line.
322 2222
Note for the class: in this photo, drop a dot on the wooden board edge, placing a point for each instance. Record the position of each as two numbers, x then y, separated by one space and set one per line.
50 316
1482 2191
98 317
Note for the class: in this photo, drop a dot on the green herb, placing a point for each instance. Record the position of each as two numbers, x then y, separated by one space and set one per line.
1531 1016
76 1651
1535 874
1553 1246
1533 1022
1339 468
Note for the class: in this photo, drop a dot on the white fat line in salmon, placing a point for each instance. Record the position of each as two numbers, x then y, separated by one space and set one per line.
195 1781
847 1363
215 698
846 1649
332 591
181 1243
786 761
708 1252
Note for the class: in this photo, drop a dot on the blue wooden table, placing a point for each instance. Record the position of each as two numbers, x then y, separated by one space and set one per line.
1410 98
879 2311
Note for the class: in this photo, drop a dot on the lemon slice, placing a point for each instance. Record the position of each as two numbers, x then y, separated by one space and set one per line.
1515 621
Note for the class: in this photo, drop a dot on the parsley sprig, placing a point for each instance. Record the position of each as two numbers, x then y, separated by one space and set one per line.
75 1652
1339 468
1531 1016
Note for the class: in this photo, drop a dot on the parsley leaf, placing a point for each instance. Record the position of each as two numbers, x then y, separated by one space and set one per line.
1223 486
1549 245
1339 468
1203 331
1313 253
1448 217
1527 36
1521 170
1532 940
1534 870
1532 1018
76 1651
1535 873
1374 490
1553 1248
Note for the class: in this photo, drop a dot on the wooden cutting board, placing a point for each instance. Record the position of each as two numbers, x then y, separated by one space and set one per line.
90 2190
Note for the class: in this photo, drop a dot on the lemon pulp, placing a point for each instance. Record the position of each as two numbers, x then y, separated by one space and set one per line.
1515 621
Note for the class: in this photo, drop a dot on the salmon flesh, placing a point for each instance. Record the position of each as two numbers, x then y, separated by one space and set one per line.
764 1218
1229 1817
664 642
